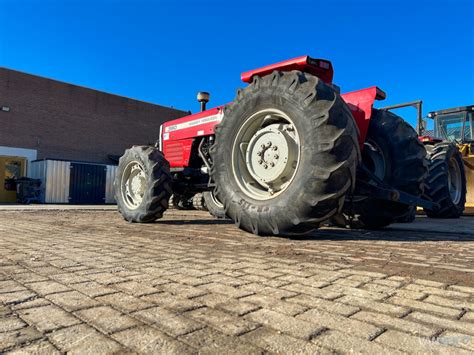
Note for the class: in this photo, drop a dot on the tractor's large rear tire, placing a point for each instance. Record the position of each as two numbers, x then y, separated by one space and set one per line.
285 155
446 183
142 184
392 152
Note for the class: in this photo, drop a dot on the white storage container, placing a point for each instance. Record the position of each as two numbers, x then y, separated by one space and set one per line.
63 182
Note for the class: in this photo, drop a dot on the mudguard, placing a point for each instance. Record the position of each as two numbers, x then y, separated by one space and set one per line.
360 103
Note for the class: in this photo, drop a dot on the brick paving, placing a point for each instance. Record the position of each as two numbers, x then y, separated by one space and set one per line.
87 282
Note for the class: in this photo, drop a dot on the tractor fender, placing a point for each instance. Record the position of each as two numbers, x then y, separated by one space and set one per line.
360 103
321 68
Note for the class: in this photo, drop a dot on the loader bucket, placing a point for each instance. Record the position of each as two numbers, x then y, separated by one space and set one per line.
469 169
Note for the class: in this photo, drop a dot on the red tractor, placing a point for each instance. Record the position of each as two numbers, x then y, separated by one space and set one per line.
289 153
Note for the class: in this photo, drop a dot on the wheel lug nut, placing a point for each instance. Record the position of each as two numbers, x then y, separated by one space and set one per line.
275 147
276 156
260 161
259 153
272 164
263 146
269 144
265 166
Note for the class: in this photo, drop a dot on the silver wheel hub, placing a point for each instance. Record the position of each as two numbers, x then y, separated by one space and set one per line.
133 185
266 154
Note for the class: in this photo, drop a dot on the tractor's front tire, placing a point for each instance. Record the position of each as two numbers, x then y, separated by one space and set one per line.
198 202
446 183
285 155
143 184
213 205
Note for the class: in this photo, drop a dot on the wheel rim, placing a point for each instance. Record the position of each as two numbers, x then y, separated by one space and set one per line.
215 200
266 154
133 184
374 159
454 180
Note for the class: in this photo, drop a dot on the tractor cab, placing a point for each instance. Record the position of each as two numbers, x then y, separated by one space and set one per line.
455 125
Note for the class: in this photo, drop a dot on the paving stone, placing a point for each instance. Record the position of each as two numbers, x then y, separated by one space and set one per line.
429 283
352 326
458 340
11 323
10 286
144 340
38 302
437 291
404 325
426 307
225 290
29 277
18 337
343 342
325 293
459 288
182 290
172 302
414 295
69 278
450 302
167 321
275 304
227 304
105 278
16 297
468 317
358 292
443 323
37 348
124 302
413 344
209 340
349 282
295 327
224 322
275 342
93 289
319 303
47 318
47 287
372 305
72 301
83 339
106 319
135 288
386 282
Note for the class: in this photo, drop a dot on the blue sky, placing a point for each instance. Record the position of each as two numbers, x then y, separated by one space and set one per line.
166 51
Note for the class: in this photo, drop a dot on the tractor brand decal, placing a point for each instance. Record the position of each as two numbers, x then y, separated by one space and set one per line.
200 121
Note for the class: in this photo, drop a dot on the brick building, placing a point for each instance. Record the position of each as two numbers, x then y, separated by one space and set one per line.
46 119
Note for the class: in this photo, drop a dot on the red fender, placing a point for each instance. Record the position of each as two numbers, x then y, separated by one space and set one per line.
361 103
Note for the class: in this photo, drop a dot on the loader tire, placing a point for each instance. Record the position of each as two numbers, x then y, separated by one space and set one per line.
446 182
392 152
213 205
143 184
314 148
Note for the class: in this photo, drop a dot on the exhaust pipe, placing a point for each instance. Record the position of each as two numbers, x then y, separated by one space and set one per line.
203 98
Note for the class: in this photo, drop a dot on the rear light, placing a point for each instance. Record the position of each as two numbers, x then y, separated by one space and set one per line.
324 65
